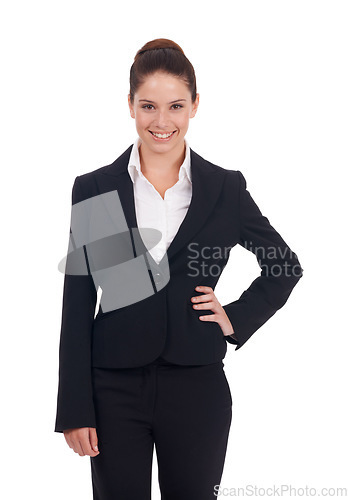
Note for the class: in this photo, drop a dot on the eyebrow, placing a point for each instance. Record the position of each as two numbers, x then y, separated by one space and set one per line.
153 102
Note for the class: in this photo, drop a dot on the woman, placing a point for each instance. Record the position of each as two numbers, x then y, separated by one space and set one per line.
148 368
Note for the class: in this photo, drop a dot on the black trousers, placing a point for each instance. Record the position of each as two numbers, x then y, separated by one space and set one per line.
185 411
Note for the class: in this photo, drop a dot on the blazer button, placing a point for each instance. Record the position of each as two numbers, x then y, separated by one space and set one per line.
158 278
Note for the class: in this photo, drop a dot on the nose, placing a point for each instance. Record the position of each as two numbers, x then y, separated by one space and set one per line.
162 122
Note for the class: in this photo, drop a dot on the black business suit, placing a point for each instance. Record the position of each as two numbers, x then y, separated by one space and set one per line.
221 214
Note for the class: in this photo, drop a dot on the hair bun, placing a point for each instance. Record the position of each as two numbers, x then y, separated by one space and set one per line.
158 43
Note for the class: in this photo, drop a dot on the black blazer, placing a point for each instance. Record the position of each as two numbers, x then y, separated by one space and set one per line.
221 215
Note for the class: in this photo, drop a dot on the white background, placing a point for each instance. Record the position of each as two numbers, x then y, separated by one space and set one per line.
272 78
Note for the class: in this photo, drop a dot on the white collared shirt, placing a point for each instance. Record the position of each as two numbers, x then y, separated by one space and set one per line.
152 211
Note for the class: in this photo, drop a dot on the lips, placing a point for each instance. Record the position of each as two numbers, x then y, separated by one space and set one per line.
161 139
162 133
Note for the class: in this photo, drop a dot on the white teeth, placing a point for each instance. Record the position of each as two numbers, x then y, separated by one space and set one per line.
162 136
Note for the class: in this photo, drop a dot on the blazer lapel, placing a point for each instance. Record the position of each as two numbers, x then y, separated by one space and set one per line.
207 181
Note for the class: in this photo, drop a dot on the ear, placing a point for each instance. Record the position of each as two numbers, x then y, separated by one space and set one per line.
195 106
131 107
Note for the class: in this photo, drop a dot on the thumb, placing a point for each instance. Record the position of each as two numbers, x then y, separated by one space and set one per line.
93 438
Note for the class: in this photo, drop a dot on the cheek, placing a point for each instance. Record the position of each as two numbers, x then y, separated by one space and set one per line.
183 121
142 121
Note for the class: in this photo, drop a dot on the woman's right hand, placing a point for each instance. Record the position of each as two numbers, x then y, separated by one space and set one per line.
83 440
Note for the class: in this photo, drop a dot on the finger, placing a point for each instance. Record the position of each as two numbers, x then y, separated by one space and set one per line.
204 305
70 444
78 439
79 449
208 317
67 439
202 288
70 437
75 445
201 298
86 448
86 443
93 438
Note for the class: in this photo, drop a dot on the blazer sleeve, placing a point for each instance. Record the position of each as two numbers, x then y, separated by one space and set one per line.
280 270
75 407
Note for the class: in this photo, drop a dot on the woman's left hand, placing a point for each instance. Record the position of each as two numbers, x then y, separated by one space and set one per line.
209 301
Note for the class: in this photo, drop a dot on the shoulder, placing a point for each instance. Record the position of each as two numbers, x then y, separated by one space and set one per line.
88 177
87 184
114 168
213 166
233 178
117 167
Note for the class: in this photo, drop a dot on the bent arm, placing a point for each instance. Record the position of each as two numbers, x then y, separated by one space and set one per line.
280 271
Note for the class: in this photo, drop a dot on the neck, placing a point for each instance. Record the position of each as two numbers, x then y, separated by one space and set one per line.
162 164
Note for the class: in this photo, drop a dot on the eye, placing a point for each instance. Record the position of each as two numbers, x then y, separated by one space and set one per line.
147 106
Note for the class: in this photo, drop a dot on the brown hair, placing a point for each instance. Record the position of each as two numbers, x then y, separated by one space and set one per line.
164 55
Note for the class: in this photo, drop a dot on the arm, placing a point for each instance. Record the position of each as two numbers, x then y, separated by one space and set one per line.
75 406
280 271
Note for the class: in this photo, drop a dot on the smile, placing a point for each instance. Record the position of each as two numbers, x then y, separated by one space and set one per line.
162 137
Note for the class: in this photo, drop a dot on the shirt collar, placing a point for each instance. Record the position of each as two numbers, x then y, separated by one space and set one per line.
134 162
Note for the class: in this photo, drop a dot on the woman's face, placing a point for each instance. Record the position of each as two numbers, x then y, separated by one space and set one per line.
162 105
